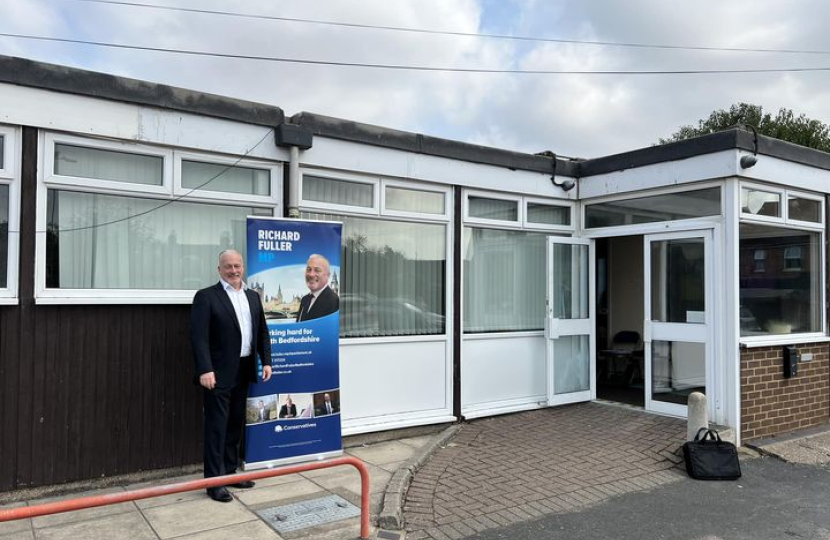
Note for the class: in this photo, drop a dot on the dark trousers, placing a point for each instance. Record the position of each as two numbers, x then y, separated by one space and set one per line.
224 425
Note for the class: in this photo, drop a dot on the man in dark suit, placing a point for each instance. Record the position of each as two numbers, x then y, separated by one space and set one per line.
227 331
326 407
321 301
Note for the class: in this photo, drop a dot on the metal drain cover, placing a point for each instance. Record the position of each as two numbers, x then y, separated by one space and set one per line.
310 513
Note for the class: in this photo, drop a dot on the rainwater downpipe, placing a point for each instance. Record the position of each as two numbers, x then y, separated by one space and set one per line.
295 138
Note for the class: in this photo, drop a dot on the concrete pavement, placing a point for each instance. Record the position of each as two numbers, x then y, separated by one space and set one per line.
193 516
482 479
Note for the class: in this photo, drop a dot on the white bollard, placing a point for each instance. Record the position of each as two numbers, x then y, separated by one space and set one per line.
698 415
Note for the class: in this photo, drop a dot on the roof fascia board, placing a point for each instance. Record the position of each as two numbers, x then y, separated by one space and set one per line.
24 72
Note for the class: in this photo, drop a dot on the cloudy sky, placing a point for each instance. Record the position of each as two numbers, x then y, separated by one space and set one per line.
574 115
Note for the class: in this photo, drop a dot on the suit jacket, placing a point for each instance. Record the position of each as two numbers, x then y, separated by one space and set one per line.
216 338
327 303
285 410
320 410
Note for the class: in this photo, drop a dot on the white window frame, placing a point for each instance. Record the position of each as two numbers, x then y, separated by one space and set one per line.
622 230
274 171
785 195
803 337
493 223
798 222
46 179
520 225
10 176
545 226
430 188
330 208
105 186
397 216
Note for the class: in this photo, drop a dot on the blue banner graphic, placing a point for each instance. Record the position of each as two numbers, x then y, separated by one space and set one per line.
295 267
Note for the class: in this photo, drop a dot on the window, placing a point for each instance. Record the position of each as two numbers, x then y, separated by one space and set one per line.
99 164
504 288
493 209
218 177
4 235
760 203
547 214
138 223
760 260
415 201
787 297
338 192
393 280
9 222
802 209
664 207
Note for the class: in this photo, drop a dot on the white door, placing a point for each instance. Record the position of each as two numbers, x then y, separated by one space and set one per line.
569 320
678 318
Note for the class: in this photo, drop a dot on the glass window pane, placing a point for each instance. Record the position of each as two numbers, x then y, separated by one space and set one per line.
504 280
413 200
224 178
571 364
570 287
4 235
108 165
90 244
2 151
482 207
804 209
548 214
666 207
760 203
677 369
785 297
393 277
678 281
328 190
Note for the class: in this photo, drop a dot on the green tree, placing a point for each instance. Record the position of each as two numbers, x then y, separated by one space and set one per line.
785 126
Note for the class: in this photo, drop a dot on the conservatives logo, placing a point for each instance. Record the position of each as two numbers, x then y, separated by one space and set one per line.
280 429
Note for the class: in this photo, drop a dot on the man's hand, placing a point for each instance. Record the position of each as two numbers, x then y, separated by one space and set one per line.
266 373
208 380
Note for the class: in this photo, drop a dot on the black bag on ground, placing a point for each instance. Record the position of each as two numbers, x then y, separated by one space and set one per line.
709 458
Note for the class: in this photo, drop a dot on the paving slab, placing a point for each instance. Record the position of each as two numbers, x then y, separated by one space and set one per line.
125 526
279 494
195 516
809 450
80 515
251 530
384 453
14 527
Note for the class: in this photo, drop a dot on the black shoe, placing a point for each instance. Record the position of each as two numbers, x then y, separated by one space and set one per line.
247 484
219 494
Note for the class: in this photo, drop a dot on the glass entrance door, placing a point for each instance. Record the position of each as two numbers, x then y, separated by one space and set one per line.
569 320
678 318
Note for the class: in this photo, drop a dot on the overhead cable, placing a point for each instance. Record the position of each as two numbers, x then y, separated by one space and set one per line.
455 33
402 67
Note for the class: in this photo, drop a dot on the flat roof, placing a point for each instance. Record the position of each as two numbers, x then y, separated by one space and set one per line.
31 73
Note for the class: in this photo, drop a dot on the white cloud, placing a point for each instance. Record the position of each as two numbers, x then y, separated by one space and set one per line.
572 115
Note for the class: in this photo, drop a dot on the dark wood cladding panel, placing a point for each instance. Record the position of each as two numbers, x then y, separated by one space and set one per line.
103 390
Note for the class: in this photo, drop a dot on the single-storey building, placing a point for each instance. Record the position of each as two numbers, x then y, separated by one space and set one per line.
475 281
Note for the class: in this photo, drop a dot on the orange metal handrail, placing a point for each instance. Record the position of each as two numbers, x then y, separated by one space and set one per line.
193 485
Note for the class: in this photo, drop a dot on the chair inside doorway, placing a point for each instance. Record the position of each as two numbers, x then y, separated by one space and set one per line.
620 375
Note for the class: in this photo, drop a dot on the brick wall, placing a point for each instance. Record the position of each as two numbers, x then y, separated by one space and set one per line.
771 404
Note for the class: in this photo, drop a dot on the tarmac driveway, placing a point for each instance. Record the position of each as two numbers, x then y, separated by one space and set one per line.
508 469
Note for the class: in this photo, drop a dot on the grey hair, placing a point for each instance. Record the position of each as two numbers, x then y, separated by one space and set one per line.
318 256
228 252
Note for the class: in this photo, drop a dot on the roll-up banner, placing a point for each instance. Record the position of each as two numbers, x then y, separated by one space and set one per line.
294 265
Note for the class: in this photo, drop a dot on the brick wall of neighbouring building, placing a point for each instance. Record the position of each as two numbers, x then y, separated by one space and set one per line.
771 404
